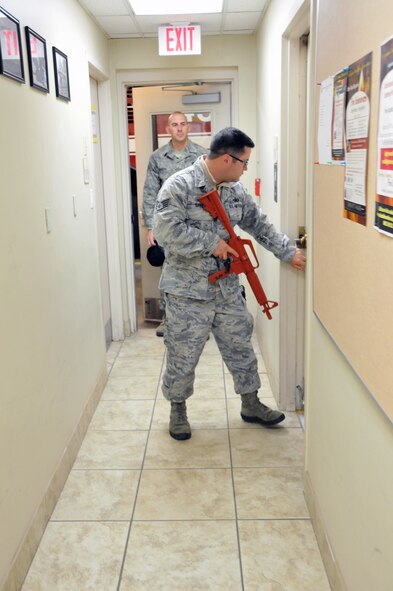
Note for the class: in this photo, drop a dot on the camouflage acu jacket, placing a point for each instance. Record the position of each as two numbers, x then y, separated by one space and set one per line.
162 164
190 235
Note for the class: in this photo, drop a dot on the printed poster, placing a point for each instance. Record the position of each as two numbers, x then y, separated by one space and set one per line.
325 121
338 126
384 197
357 137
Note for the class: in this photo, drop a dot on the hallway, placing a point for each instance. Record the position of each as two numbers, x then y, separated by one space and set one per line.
223 511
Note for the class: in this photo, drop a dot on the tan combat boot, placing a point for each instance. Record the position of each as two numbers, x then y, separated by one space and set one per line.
254 411
179 427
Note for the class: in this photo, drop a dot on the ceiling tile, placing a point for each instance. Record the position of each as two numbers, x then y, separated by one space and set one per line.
116 25
245 5
238 21
106 7
116 19
150 24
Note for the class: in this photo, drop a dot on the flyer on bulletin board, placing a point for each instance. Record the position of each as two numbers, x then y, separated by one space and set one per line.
384 197
338 125
325 121
356 139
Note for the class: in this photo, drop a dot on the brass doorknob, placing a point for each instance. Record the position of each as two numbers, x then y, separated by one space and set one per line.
301 241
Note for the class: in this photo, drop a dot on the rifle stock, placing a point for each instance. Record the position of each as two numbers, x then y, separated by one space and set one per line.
211 202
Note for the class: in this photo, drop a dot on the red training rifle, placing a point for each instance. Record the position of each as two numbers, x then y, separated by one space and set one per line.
212 203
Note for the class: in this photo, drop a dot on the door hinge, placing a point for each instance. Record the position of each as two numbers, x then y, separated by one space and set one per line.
299 397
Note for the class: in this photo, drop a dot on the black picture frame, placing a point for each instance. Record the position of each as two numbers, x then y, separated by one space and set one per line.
11 56
38 61
62 78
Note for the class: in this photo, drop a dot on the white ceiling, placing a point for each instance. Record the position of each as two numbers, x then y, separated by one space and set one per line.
117 20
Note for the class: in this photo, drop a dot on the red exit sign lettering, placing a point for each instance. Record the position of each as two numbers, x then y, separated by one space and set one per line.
179 40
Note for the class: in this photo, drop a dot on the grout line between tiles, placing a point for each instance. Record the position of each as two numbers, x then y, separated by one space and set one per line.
172 519
233 488
139 481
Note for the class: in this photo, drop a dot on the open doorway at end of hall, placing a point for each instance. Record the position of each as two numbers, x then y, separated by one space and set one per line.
148 108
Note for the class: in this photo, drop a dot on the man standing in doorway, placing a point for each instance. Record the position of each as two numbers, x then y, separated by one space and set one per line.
195 247
176 155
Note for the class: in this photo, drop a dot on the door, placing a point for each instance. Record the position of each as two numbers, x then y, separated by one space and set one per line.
148 101
96 184
301 220
294 175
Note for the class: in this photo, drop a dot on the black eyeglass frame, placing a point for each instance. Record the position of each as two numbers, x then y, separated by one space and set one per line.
244 162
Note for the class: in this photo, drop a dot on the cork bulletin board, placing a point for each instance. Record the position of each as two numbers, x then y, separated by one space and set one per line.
353 263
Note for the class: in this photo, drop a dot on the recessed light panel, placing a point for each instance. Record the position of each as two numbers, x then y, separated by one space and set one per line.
158 7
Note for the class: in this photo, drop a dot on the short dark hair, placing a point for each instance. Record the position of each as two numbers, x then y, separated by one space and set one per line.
229 140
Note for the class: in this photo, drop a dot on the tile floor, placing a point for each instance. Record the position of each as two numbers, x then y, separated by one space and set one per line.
140 511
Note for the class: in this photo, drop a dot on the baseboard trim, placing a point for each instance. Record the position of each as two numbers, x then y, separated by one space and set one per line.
331 567
31 541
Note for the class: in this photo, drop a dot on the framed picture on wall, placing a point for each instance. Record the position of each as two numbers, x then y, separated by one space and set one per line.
11 59
38 62
62 80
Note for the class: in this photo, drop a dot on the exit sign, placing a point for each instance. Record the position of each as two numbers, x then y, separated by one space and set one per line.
179 40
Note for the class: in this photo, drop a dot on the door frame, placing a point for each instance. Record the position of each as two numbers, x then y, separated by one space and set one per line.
150 78
292 345
109 188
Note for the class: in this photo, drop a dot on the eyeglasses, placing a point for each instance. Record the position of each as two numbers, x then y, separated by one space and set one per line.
244 162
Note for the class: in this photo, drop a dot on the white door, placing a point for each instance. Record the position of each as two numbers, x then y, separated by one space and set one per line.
154 100
96 184
294 183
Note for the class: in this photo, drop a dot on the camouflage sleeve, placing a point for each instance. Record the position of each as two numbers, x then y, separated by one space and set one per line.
150 191
170 225
256 223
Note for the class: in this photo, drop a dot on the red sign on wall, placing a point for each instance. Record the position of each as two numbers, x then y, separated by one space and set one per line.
179 40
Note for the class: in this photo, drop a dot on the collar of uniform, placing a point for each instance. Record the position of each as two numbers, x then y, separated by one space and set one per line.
169 150
208 174
203 177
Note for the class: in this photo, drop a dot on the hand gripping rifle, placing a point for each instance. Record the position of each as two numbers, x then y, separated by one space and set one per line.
212 203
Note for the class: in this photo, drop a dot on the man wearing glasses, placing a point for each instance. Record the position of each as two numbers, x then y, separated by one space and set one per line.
195 247
177 154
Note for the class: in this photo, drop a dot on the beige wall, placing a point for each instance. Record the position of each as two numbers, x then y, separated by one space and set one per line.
53 351
349 465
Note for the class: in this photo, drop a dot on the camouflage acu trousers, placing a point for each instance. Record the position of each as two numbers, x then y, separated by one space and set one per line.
188 324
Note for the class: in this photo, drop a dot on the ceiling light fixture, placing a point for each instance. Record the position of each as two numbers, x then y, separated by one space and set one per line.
159 7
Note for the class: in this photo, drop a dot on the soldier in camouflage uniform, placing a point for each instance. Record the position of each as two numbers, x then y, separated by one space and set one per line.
195 247
179 153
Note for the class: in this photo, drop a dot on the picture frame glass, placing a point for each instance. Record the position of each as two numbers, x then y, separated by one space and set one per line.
10 47
61 74
39 69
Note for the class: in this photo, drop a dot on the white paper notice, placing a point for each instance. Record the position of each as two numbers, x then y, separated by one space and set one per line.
358 114
325 121
385 138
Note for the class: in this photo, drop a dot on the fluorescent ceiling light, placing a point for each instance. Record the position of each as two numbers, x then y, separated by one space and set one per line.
158 7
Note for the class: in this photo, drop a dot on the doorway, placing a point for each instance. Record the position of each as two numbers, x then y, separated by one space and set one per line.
97 199
149 105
